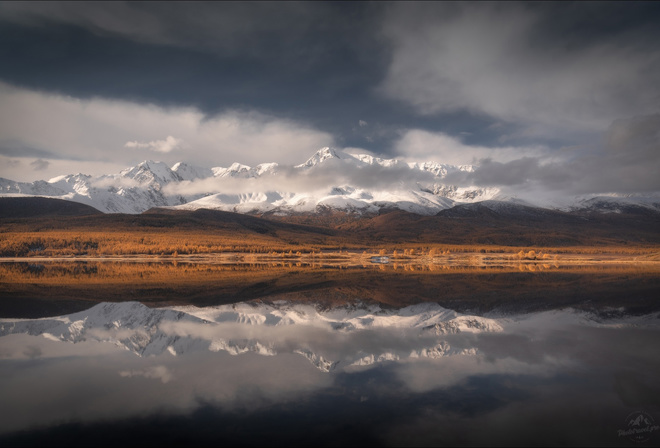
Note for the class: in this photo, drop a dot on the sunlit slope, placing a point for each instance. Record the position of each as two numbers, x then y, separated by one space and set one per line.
47 232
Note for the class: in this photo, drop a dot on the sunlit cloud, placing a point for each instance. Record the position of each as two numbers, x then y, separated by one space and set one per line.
321 177
110 131
165 146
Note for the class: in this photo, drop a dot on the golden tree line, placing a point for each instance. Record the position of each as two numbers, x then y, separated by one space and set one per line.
174 243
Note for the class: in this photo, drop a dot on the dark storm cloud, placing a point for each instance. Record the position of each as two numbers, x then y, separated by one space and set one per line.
513 75
18 149
569 69
309 62
628 158
247 29
315 63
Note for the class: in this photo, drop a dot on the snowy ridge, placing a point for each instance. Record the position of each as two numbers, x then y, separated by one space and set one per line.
423 200
324 155
419 331
151 173
616 203
154 184
151 184
190 173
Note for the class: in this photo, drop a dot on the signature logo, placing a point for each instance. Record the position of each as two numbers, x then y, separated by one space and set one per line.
640 426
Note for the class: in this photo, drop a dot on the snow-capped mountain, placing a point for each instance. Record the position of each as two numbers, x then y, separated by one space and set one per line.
329 180
36 188
154 174
189 172
616 203
327 154
244 171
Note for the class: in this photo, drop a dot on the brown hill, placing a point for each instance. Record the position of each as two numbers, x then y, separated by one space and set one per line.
30 207
510 225
158 231
46 226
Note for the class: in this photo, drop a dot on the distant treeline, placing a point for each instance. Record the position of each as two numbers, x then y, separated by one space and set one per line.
170 242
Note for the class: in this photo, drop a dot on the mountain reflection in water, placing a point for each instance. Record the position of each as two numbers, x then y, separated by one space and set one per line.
285 373
38 288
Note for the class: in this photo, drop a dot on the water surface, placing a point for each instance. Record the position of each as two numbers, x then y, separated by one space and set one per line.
287 373
244 351
40 288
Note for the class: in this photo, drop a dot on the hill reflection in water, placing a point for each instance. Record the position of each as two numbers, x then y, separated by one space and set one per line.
476 283
289 373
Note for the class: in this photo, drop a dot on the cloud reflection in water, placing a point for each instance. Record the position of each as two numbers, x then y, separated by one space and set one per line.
421 375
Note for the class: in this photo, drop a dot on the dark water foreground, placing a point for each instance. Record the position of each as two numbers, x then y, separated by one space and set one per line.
327 355
287 374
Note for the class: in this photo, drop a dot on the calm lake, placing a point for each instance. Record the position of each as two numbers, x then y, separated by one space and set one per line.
327 355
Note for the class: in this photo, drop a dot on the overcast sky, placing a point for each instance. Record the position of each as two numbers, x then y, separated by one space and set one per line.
559 95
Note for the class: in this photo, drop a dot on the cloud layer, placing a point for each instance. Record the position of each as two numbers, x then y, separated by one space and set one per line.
329 174
528 91
421 145
106 136
123 132
167 145
552 70
624 161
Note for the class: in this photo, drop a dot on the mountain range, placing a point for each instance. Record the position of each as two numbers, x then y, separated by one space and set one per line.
330 180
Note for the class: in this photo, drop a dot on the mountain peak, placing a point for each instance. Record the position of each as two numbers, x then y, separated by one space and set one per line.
327 151
150 164
150 171
324 154
238 167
